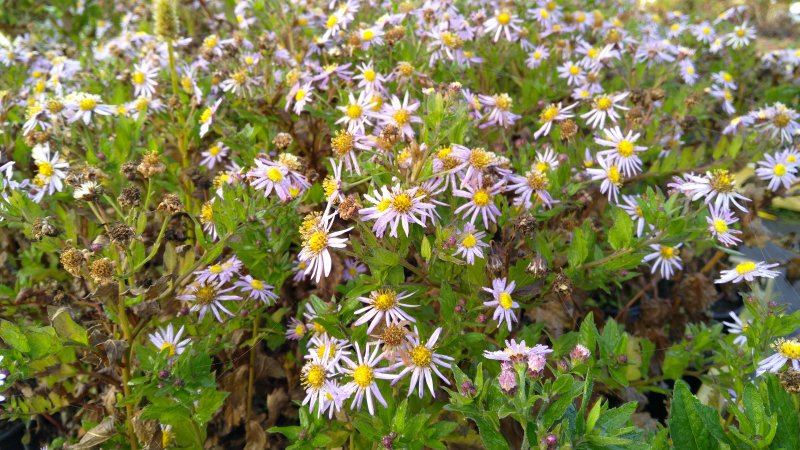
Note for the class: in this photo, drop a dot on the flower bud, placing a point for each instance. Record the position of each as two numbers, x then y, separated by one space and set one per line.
579 354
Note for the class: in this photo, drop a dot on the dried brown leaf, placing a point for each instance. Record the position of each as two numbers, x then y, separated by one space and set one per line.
102 432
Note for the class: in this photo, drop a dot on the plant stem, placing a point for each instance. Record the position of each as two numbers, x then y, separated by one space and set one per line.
153 250
126 362
173 73
251 369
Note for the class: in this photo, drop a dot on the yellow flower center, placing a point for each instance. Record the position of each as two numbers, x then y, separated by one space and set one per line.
537 180
385 300
205 294
301 94
342 143
353 111
745 267
186 83
402 203
469 241
274 174
614 176
502 101
45 169
210 42
167 345
667 252
779 169
318 241
480 159
402 117
549 114
603 103
574 70
331 22
318 328
314 377
367 35
214 150
503 18
451 40
781 120
481 198
257 285
383 205
207 213
87 104
727 77
740 32
790 349
215 269
625 148
690 70
706 30
166 438
505 300
537 54
592 53
369 75
363 376
300 330
721 181
720 226
138 78
420 356
206 116
249 60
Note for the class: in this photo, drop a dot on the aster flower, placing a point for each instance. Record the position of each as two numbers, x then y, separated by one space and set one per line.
719 221
704 32
609 173
82 106
572 72
352 268
421 361
383 304
534 182
516 353
221 272
500 114
256 289
782 121
717 185
786 350
724 79
503 23
50 171
552 113
604 106
313 376
371 37
300 96
214 155
537 56
666 258
296 330
327 346
476 161
470 244
503 303
369 79
316 244
631 206
144 79
239 83
334 398
748 271
738 327
688 72
168 339
207 117
365 373
34 118
269 176
775 170
481 202
394 207
623 150
724 94
207 219
741 36
400 114
356 112
209 297
343 146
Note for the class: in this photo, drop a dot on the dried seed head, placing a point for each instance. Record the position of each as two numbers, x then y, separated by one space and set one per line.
537 267
568 129
390 135
128 170
130 197
42 227
72 259
101 270
395 35
349 207
121 234
282 140
151 165
562 284
165 16
171 204
790 380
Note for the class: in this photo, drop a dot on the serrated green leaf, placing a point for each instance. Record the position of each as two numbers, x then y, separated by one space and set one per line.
692 425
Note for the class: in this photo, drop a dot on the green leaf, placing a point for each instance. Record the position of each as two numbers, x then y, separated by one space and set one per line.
579 247
66 327
425 248
693 425
782 405
12 335
589 332
399 420
594 414
621 233
447 301
490 433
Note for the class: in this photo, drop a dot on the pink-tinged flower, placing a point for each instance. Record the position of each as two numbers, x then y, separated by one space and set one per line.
552 113
507 378
400 114
168 339
611 178
269 176
579 354
719 222
352 269
717 185
296 330
517 353
534 182
214 155
786 350
365 373
502 302
316 244
739 328
748 271
300 96
470 244
500 113
357 112
257 289
394 207
623 150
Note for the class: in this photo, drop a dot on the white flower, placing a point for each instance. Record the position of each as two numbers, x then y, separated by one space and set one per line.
257 289
503 303
400 114
383 304
207 117
503 23
719 221
748 271
50 171
552 113
516 352
741 36
739 327
313 376
82 106
776 170
786 350
610 176
316 245
717 185
623 150
300 96
167 339
357 112
395 207
144 79
470 244
214 155
666 257
604 106
365 373
420 361
209 297
480 202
